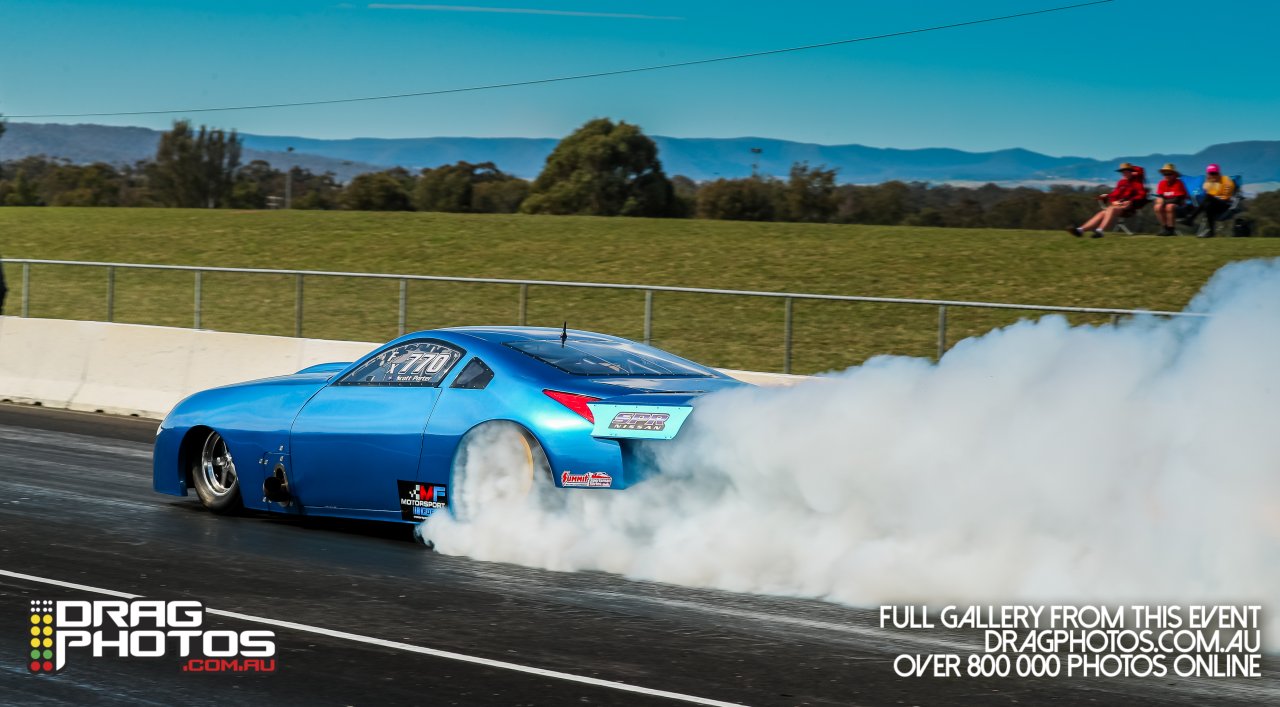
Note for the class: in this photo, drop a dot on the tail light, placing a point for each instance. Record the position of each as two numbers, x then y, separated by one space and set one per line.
575 402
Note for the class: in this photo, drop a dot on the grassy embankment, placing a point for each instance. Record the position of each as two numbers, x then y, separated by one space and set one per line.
1003 266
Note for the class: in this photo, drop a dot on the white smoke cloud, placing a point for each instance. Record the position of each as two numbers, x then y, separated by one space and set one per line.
1137 463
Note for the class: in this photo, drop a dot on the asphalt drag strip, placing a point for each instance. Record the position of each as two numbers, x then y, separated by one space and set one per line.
362 614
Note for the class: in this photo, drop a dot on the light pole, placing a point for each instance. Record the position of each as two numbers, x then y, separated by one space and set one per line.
288 182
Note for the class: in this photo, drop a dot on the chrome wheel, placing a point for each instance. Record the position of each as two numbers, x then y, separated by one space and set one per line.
213 472
217 467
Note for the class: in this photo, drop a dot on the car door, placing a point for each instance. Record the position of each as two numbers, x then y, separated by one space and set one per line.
356 445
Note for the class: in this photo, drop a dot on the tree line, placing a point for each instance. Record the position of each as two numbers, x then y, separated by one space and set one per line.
604 168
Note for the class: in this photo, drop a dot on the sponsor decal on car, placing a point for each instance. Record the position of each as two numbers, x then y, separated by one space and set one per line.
142 628
419 501
647 421
419 367
591 479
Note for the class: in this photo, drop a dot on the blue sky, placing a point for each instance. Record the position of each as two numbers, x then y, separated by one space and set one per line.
1131 76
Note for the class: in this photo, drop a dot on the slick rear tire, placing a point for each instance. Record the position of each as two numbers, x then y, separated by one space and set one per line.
499 465
213 474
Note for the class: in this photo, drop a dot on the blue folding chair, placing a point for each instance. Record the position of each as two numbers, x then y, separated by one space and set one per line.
1195 187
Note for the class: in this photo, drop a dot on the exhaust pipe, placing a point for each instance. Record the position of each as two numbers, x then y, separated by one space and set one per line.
276 487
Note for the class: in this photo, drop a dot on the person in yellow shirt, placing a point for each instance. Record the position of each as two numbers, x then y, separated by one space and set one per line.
1218 190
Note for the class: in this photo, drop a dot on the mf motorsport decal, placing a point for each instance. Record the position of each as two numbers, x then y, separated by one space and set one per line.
420 501
591 479
647 421
142 628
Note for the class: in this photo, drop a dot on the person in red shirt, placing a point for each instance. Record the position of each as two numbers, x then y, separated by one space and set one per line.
1171 194
1129 195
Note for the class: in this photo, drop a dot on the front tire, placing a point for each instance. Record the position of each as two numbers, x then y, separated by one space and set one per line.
214 475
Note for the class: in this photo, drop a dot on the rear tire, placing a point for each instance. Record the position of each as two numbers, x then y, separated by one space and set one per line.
498 466
213 473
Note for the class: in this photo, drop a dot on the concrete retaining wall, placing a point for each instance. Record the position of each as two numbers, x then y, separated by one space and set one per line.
132 369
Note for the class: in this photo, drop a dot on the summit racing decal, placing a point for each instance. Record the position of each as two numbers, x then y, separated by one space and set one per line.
646 421
591 479
143 628
420 501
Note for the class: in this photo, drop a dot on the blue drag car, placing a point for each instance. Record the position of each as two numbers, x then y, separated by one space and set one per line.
385 437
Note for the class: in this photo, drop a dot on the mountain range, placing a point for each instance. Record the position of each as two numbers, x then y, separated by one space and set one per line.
697 158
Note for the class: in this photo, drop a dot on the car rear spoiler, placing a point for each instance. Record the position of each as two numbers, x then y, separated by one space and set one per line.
641 416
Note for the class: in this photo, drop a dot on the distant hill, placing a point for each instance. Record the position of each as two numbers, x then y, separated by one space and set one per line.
1257 160
82 144
698 158
523 157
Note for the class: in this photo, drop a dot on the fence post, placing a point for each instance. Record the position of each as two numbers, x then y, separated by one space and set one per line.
26 289
297 307
199 296
648 317
404 302
786 335
524 305
111 292
942 330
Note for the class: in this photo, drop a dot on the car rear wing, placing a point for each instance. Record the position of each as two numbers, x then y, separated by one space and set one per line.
642 416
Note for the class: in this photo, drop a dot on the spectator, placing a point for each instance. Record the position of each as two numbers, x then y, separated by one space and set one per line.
1129 195
1171 194
1218 190
3 290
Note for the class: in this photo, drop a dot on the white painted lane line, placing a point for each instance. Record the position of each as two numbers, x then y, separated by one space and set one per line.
69 585
409 647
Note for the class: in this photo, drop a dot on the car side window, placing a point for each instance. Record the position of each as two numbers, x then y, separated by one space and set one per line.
421 363
474 376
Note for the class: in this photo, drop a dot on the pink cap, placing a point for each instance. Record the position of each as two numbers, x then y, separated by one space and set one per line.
1212 169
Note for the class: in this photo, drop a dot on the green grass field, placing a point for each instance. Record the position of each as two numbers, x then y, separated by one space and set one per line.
1030 267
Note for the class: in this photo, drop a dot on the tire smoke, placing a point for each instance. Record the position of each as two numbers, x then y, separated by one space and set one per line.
1137 463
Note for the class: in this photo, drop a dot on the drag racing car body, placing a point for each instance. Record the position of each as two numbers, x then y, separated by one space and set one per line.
383 437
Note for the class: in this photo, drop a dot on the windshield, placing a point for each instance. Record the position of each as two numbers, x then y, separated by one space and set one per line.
608 358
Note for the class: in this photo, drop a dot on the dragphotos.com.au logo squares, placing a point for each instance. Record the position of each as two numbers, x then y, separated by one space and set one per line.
61 630
42 631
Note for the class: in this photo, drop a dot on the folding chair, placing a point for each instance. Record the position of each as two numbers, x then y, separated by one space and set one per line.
1195 187
1133 218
